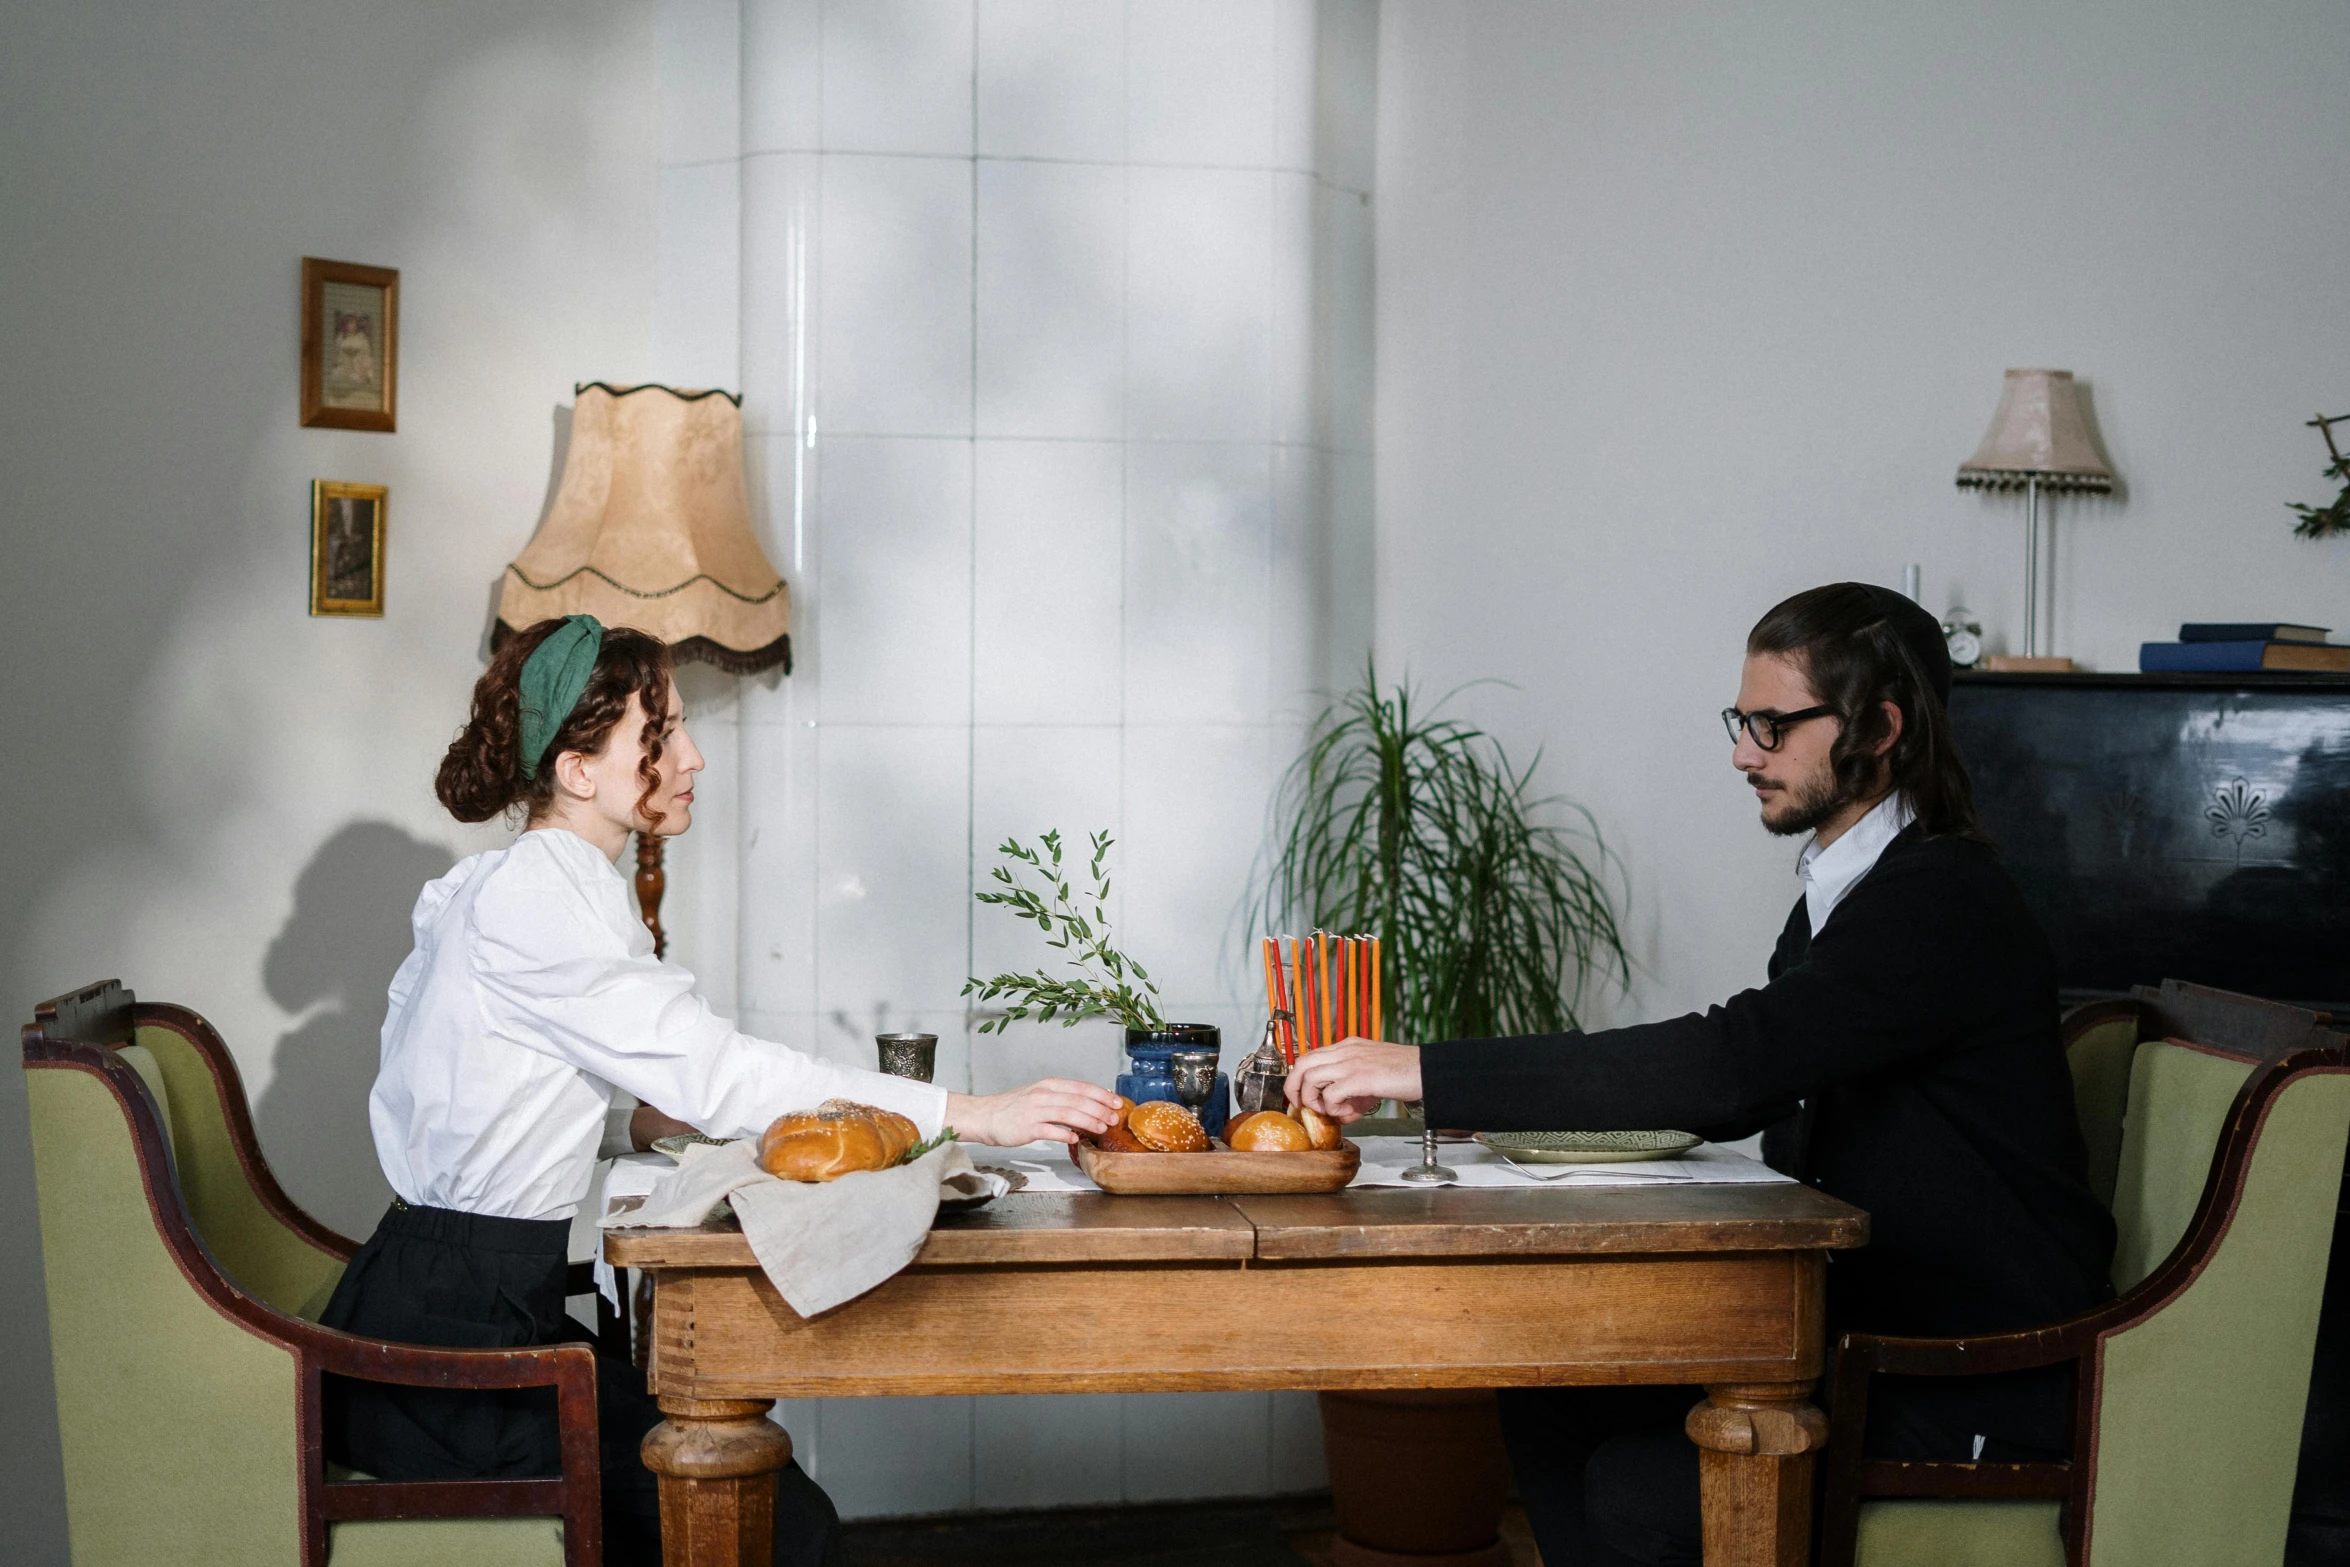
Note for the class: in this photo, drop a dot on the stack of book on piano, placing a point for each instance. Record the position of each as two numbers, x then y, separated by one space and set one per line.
2230 648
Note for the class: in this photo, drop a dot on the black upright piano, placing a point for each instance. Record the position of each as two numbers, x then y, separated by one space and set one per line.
2191 827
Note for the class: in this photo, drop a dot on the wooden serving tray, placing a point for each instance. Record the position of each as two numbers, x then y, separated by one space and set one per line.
1220 1172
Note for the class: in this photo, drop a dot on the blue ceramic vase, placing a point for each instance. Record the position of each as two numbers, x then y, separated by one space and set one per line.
1149 1049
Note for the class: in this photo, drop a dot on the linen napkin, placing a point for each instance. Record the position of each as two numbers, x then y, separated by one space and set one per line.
821 1244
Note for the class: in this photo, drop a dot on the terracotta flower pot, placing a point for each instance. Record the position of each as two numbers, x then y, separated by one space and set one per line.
1416 1477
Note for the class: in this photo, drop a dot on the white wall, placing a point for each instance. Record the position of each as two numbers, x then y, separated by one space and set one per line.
1053 326
210 794
1680 309
1685 308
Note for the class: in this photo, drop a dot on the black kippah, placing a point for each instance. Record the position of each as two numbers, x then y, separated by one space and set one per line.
1919 631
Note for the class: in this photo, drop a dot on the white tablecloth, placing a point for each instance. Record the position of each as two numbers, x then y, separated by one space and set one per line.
1047 1167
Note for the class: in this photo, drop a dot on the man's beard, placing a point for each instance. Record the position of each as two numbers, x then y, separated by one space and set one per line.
1808 806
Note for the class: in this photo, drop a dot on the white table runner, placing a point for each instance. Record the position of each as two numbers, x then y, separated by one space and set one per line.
1047 1167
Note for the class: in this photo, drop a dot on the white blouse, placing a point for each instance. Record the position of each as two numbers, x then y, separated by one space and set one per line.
532 995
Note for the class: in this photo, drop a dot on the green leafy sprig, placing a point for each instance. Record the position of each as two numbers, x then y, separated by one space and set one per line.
946 1135
2320 522
1107 982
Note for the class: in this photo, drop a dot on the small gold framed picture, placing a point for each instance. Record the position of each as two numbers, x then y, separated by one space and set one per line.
350 345
346 548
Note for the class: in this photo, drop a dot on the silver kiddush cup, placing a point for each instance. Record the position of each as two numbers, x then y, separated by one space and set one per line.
908 1055
1194 1072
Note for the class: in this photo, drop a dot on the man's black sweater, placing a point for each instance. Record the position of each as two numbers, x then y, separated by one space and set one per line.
1905 1060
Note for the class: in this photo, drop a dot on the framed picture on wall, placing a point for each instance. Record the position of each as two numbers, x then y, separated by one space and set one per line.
350 345
346 548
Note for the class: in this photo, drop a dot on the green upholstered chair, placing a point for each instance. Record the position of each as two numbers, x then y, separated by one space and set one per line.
261 1238
189 1394
2190 1384
2101 1039
253 1229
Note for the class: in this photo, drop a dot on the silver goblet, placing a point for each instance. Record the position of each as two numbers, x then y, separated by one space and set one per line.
1194 1072
1428 1172
908 1055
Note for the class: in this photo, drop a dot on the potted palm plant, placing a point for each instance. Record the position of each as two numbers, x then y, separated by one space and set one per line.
1494 919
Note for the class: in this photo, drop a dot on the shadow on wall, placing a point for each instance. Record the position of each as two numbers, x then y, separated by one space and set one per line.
334 960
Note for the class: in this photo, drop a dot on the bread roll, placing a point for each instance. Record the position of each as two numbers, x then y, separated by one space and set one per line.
1321 1131
1125 1108
1164 1126
1119 1140
838 1139
1266 1131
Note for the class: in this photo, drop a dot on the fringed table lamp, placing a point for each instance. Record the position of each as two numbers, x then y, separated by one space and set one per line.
651 528
2038 440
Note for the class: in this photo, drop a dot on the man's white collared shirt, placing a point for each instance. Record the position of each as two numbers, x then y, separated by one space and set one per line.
1830 873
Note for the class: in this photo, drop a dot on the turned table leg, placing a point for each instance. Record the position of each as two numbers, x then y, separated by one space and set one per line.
1754 1471
717 1459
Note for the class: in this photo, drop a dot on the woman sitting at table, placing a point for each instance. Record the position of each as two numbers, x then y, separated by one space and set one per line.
533 994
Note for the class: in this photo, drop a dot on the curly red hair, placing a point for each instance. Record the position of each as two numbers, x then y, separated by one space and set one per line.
481 775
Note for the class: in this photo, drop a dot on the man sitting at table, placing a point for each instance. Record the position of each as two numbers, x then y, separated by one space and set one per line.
1903 1057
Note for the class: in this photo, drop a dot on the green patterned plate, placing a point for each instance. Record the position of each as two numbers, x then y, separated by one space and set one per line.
1587 1147
678 1142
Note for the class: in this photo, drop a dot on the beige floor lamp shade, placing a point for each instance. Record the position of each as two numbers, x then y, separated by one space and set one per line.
2038 440
651 528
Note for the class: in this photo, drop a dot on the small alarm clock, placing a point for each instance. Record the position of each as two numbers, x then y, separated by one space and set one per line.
1964 636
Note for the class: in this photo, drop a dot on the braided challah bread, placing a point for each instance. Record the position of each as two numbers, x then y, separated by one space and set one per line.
837 1138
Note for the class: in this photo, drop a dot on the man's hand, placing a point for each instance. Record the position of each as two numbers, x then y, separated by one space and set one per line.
1053 1110
1347 1080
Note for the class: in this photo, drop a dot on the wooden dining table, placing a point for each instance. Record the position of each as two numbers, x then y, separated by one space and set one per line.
1453 1287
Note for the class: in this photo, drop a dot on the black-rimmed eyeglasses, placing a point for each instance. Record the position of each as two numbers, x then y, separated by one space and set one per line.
1768 728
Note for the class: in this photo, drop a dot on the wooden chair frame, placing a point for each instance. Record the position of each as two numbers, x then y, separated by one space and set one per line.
79 1032
2283 1043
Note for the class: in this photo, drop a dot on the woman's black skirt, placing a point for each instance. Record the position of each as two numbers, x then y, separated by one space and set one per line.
467 1281
456 1281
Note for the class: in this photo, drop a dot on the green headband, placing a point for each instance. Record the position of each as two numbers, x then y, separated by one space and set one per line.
553 677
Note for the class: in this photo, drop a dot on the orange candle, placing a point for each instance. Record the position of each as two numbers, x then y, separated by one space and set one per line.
1322 988
1363 986
1273 988
1338 977
1347 1027
1281 967
1378 1009
1301 976
1297 974
1305 994
1341 1015
1300 999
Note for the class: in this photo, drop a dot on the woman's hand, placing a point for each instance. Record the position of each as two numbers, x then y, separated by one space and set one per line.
646 1123
1346 1081
1053 1110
